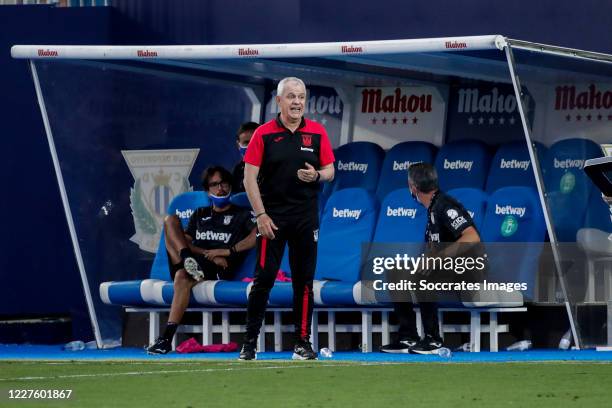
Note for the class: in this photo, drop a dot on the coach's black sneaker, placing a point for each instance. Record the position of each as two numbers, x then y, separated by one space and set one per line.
402 346
161 346
248 351
428 345
193 268
303 351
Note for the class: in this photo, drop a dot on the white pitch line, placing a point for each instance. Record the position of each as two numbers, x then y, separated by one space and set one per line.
203 370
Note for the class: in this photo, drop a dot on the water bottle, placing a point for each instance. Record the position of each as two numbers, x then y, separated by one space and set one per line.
91 345
566 340
111 343
325 353
464 347
520 346
445 352
76 345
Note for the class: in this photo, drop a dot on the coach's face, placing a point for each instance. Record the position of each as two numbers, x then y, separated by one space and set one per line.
292 101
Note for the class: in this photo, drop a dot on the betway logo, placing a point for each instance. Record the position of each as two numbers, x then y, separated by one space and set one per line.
47 53
514 164
593 98
373 101
458 165
247 51
213 236
146 53
401 166
455 44
401 212
567 164
346 213
471 101
352 166
184 214
509 210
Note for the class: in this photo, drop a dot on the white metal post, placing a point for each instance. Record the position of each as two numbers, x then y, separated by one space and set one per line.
518 91
278 331
153 326
225 327
67 211
366 331
493 335
331 330
207 335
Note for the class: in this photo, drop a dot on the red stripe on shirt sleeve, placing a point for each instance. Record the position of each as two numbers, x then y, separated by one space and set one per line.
326 154
254 153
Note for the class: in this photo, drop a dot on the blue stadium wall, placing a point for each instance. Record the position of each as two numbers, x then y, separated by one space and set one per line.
38 272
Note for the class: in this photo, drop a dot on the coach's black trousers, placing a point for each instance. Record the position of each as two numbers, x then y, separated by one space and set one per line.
301 235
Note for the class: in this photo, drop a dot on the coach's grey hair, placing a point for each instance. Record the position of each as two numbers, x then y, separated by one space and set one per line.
281 84
423 176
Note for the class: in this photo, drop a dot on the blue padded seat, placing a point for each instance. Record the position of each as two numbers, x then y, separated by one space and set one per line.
568 187
348 222
511 166
462 164
394 173
400 219
514 217
357 164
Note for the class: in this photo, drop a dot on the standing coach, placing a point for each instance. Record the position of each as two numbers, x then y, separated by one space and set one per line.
286 160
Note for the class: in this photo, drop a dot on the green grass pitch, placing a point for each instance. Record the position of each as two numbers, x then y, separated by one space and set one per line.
265 384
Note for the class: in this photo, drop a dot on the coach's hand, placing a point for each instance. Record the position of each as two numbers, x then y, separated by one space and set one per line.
309 174
266 226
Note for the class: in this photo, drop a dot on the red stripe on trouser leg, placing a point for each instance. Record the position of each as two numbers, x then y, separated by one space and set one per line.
262 255
305 313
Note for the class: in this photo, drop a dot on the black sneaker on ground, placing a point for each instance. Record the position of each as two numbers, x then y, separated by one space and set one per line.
402 346
161 346
303 351
428 345
193 268
248 352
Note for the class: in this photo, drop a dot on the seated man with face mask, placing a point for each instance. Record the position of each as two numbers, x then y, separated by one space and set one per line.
243 137
212 247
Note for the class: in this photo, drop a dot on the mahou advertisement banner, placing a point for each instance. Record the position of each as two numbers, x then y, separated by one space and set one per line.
390 115
580 110
487 112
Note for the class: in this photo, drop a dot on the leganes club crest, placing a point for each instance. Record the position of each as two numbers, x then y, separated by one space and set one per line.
159 176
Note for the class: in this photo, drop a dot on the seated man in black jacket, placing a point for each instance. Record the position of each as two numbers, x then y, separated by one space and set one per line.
212 247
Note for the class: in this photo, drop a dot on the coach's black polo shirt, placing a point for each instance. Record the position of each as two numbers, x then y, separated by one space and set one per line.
279 153
446 219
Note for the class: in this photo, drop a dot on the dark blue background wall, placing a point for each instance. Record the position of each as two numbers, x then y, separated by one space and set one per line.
37 270
568 23
38 274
